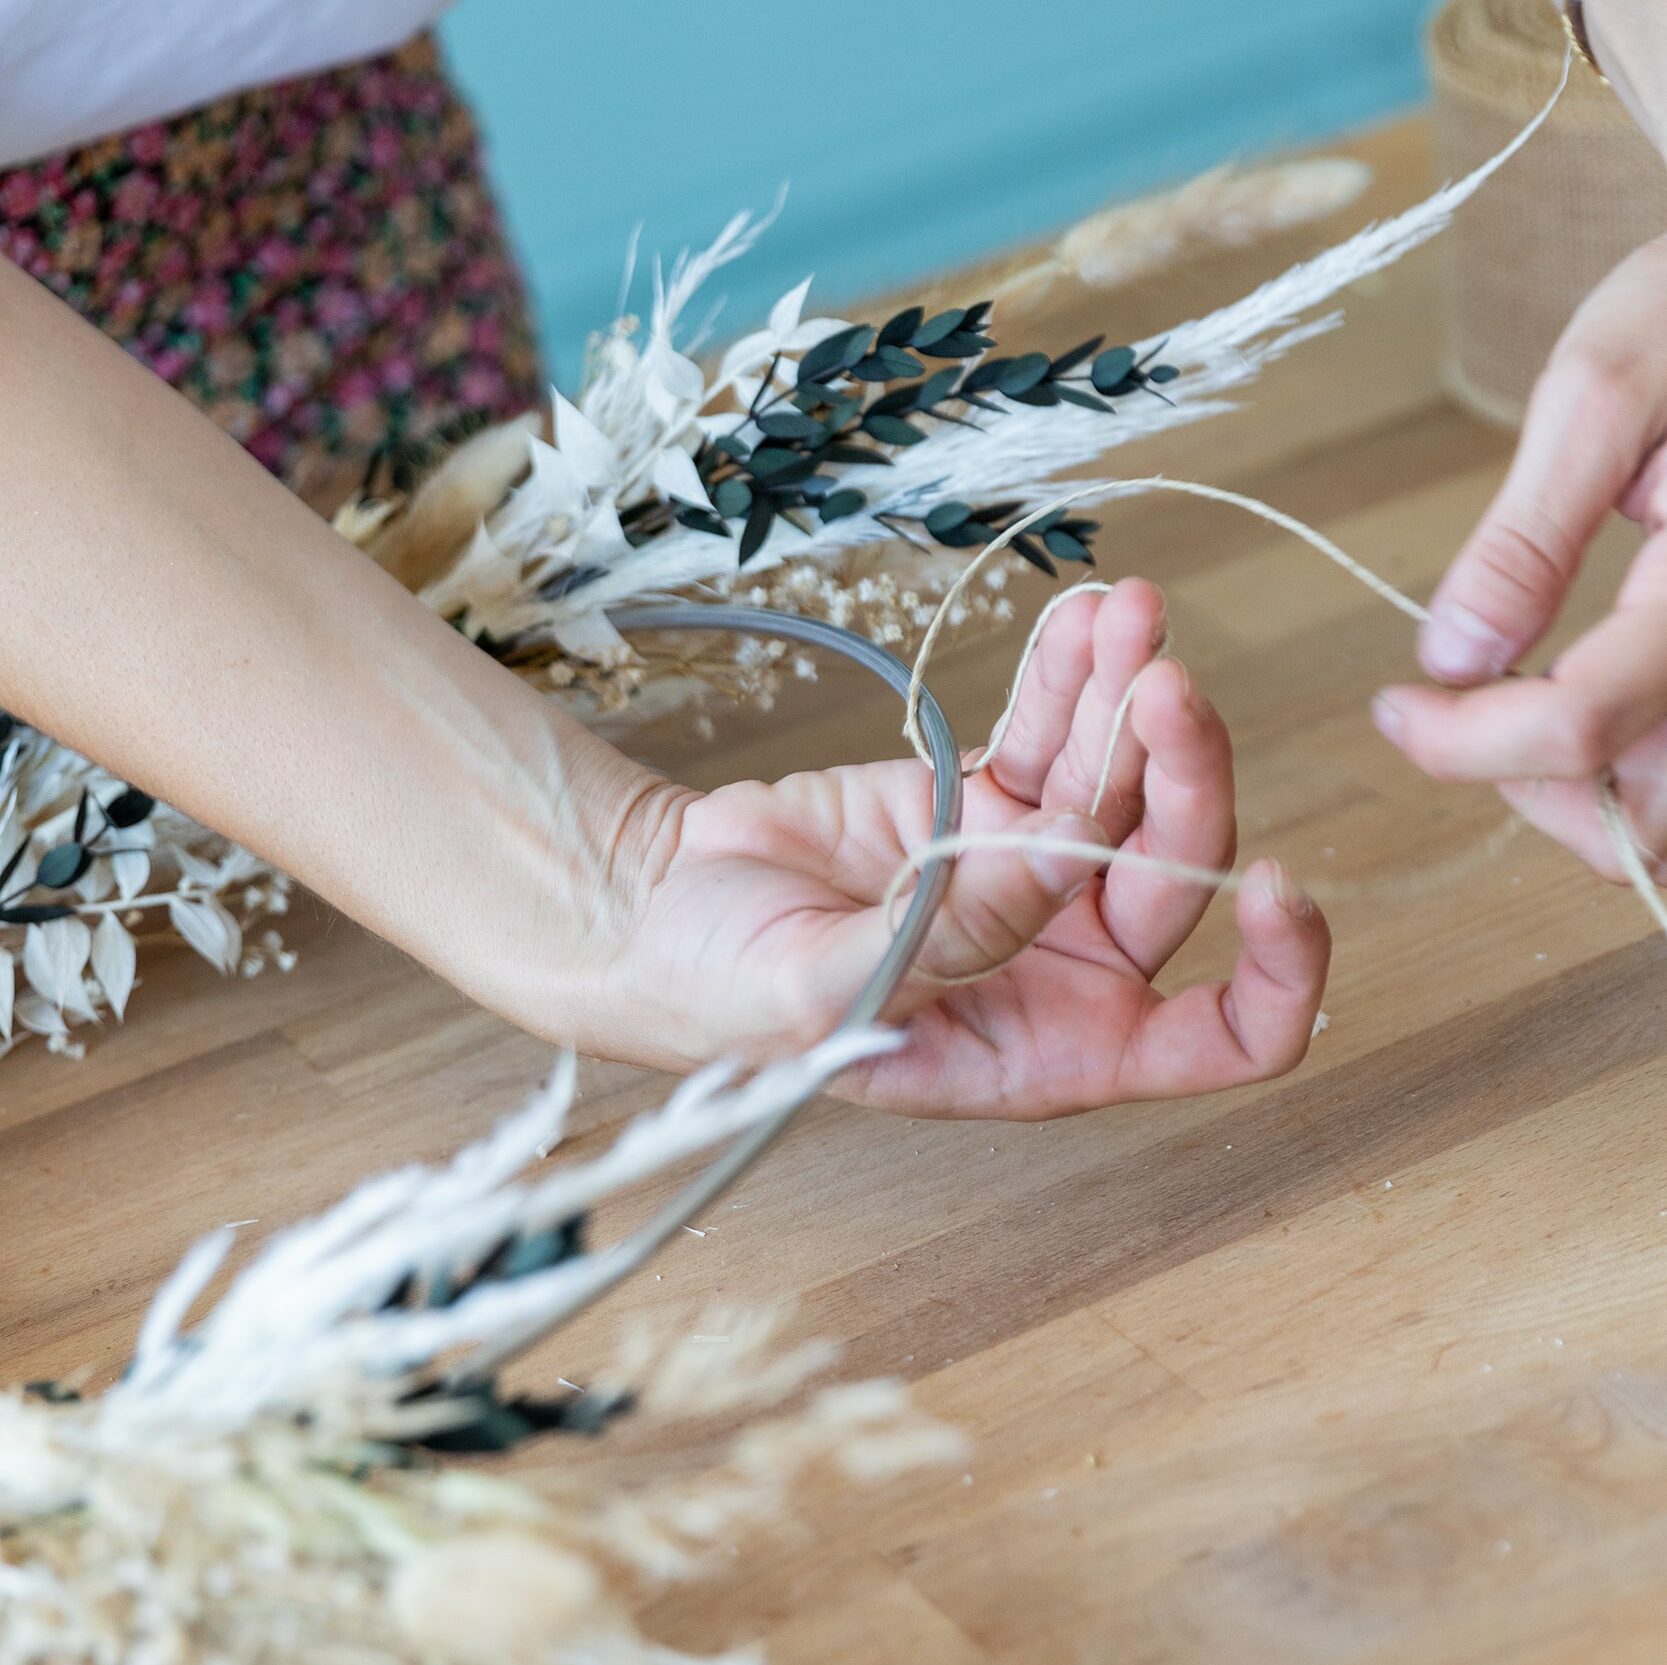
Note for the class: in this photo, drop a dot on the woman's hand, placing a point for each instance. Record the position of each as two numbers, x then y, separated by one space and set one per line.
761 913
1593 442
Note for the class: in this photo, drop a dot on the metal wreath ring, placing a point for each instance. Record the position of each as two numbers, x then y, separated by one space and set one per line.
632 1253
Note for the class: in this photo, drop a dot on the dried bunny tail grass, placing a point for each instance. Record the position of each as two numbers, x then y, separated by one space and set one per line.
1225 208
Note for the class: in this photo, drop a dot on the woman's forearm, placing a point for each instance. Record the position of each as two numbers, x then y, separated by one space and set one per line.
173 612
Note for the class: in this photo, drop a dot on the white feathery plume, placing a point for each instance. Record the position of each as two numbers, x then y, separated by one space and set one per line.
305 1324
1021 453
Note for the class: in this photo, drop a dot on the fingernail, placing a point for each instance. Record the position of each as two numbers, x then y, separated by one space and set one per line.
1060 874
1459 645
1294 900
1388 718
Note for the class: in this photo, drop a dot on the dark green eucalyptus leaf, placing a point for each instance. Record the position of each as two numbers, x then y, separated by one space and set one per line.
947 516
1068 361
53 1393
8 725
1080 396
80 830
776 463
840 411
938 326
1062 546
836 352
732 445
732 498
61 867
544 1249
700 519
817 487
1162 374
757 529
896 403
984 377
957 344
1021 374
937 387
497 1428
976 314
975 534
1028 549
791 424
891 430
1111 368
900 328
873 368
978 402
843 452
900 363
837 505
35 913
1046 394
128 808
12 862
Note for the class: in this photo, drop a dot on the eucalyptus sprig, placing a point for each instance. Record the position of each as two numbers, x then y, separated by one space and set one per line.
864 392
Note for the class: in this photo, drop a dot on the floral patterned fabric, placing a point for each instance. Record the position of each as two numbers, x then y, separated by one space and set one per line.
319 265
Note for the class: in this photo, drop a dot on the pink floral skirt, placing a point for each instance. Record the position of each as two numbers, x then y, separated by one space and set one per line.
319 265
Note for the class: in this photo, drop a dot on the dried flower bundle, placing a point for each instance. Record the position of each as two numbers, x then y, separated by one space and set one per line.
267 1485
834 469
89 869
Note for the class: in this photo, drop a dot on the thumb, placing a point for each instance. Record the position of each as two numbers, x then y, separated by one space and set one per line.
1592 421
998 902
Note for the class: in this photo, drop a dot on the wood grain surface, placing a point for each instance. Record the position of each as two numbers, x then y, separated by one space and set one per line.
1365 1365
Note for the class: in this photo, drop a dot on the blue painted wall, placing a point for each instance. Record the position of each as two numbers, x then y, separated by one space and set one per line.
913 133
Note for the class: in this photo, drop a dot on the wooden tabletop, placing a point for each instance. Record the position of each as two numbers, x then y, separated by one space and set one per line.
1367 1364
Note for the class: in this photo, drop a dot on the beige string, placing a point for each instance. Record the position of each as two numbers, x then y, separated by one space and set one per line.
1400 887
1627 850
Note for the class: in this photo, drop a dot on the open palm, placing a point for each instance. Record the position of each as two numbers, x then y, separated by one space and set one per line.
765 918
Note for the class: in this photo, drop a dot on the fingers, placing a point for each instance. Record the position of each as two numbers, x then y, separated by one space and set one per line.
1188 793
1568 810
1128 634
1086 657
1596 414
998 902
1253 1028
1053 683
1605 693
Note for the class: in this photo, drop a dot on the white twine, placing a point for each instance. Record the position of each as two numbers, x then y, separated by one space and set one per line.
1628 852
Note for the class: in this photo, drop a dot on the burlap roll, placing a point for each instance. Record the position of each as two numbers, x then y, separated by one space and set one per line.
1586 192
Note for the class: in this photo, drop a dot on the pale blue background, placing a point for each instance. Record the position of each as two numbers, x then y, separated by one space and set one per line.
913 133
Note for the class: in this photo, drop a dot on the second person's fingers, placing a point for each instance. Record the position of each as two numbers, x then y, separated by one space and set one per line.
1596 414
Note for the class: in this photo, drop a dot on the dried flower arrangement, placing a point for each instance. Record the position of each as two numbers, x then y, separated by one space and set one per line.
834 470
85 861
269 1483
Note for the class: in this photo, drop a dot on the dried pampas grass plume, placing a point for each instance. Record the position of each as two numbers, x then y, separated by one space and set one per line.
1223 209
